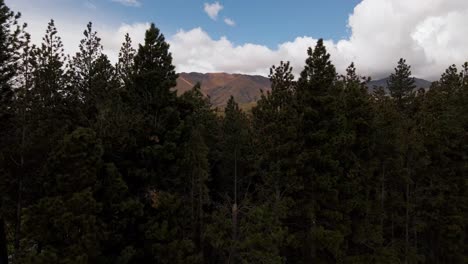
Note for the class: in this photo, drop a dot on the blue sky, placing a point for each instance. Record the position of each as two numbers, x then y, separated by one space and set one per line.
260 21
430 34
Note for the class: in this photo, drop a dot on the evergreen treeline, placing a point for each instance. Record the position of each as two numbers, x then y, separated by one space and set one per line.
103 163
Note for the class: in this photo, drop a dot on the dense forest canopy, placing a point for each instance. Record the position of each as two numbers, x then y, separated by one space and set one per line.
103 163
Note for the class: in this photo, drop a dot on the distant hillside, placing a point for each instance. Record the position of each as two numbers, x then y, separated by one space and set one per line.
245 88
220 86
420 83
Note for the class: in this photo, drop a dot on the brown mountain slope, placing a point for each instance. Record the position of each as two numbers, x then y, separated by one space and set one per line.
220 86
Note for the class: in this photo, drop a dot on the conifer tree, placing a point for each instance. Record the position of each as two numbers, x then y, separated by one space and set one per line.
82 87
199 122
151 96
22 144
8 45
400 83
8 22
126 61
443 193
154 76
359 200
275 124
49 74
321 128
275 121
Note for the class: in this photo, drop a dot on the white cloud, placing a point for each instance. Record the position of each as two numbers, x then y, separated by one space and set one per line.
71 32
213 9
112 38
430 35
229 22
195 50
135 3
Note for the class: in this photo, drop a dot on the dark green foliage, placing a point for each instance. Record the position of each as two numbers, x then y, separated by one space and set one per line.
83 90
400 83
7 60
126 61
153 77
235 151
63 226
321 128
274 121
105 164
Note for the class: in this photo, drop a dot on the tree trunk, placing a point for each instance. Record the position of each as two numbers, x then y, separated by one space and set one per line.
234 214
200 218
19 207
234 233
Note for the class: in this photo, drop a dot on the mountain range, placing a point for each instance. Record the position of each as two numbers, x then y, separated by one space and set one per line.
246 89
420 83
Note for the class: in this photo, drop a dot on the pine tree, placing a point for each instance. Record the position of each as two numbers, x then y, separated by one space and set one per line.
8 20
152 165
105 86
199 122
82 88
442 194
126 61
276 142
274 121
49 74
151 97
9 45
321 127
358 197
52 118
400 83
154 76
22 144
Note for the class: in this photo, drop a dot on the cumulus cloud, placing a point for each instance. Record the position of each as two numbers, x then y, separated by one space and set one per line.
229 22
135 3
213 9
195 50
112 38
430 35
71 33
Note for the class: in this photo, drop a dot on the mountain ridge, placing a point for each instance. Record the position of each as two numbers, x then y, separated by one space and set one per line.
246 89
220 86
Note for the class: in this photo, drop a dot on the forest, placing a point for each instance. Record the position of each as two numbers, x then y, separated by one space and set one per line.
104 163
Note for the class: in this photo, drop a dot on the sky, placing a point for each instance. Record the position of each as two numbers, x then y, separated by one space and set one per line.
240 36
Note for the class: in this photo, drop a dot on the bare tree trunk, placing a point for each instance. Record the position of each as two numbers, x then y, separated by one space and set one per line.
200 218
235 211
19 202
